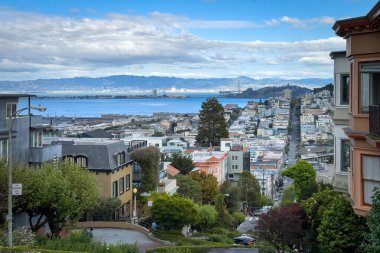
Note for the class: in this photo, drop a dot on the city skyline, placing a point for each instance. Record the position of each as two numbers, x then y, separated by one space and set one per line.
205 38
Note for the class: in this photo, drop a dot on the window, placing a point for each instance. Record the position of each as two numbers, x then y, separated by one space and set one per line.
369 85
36 138
120 158
69 158
344 89
11 109
121 185
230 175
235 167
4 150
114 189
127 182
344 155
371 176
81 161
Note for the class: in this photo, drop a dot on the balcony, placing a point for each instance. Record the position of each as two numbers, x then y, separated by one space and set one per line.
374 120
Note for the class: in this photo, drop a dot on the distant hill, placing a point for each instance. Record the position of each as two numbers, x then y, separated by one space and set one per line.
272 91
329 87
130 82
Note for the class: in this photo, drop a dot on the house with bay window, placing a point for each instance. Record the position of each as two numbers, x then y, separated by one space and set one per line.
341 121
362 36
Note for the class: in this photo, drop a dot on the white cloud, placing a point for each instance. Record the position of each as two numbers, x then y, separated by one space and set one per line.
300 23
37 46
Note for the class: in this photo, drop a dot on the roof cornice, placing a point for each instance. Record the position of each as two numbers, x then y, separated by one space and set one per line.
371 21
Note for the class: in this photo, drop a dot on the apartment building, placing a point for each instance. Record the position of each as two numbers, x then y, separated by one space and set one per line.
362 36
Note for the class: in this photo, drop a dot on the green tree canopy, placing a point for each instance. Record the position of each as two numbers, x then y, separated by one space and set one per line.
105 208
183 163
340 230
250 189
233 194
209 183
224 217
207 216
212 124
173 212
189 188
373 223
60 192
288 196
149 159
304 177
316 205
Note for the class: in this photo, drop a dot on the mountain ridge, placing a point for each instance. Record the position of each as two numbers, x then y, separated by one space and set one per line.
132 82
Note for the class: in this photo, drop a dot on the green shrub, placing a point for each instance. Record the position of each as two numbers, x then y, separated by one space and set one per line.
219 231
264 247
21 237
219 238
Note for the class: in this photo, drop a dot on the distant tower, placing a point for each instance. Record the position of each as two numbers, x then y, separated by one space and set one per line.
238 86
154 93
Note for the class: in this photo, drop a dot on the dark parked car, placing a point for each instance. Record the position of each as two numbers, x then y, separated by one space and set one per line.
244 239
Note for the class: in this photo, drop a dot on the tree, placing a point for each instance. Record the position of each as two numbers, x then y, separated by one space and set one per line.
281 227
149 159
224 217
288 196
233 194
209 183
304 177
212 125
173 212
189 188
105 208
60 193
207 216
373 223
340 230
250 189
183 163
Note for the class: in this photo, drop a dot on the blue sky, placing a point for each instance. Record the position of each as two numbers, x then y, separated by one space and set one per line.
203 38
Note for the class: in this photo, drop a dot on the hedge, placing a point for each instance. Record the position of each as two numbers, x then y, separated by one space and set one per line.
30 250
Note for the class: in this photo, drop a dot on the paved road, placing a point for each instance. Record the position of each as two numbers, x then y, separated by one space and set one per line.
116 236
294 137
238 250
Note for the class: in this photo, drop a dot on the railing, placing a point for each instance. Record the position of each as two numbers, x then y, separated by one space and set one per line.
374 120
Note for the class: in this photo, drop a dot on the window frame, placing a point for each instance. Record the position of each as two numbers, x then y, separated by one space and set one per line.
4 149
363 180
69 158
13 110
342 156
79 161
344 77
115 190
370 87
121 185
127 182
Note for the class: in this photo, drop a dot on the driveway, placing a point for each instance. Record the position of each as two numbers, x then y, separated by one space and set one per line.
116 236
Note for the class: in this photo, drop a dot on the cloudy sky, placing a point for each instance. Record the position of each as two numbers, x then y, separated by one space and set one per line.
183 38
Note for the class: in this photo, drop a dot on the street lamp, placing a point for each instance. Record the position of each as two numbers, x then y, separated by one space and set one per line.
134 215
10 125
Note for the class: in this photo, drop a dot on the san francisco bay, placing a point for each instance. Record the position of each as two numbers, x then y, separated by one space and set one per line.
140 106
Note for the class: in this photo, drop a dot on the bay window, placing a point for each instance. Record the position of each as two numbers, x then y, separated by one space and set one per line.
369 85
371 176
